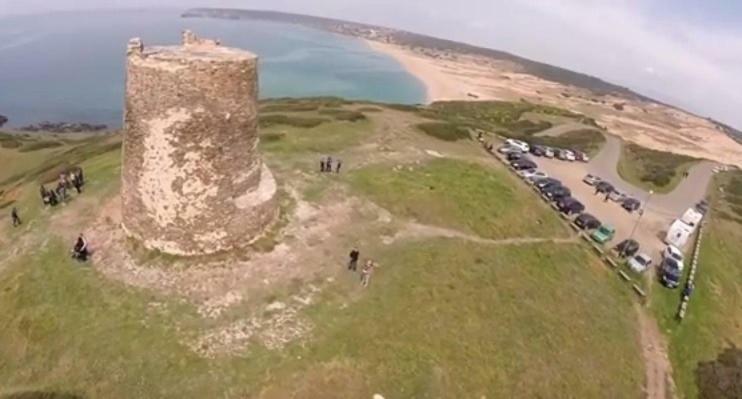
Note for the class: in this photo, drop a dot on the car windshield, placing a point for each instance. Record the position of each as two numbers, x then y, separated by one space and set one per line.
642 260
604 230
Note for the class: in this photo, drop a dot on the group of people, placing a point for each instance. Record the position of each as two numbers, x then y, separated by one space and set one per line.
326 165
67 181
367 269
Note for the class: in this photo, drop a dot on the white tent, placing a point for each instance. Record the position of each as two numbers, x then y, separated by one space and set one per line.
678 233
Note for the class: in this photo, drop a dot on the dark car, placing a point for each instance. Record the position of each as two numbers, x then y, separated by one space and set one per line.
514 156
546 182
604 187
522 164
587 221
569 206
702 206
538 150
556 193
670 273
631 204
581 156
627 248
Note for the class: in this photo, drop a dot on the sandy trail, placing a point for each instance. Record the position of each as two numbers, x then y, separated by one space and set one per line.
659 382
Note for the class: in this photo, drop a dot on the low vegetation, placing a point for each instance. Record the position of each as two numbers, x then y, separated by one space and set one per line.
445 131
459 195
40 145
290 120
711 325
651 169
344 114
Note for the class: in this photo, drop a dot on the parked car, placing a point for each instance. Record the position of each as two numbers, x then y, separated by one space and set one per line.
538 150
627 248
522 164
570 206
603 234
556 193
581 156
537 175
617 196
591 180
522 145
540 184
631 204
566 155
670 273
587 221
507 149
604 187
640 263
672 252
702 206
549 152
514 156
525 173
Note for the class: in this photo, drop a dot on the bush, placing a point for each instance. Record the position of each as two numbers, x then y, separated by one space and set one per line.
40 145
344 115
587 141
445 131
403 107
271 137
290 107
295 121
10 143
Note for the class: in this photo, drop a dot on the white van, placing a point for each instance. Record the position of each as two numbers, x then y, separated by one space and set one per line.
678 234
692 217
522 145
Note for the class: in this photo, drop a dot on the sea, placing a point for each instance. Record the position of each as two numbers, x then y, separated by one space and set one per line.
70 67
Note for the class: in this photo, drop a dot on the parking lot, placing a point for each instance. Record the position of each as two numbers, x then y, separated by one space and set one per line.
655 216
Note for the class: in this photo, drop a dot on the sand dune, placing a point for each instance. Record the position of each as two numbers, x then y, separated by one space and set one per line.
451 76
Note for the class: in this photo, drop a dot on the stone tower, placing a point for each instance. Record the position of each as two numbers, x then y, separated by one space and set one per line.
193 180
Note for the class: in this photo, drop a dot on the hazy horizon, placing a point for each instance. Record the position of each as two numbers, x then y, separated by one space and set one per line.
673 51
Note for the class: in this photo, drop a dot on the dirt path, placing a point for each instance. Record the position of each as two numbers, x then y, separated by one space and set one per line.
659 382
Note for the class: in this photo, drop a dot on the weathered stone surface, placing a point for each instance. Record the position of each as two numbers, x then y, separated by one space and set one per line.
193 180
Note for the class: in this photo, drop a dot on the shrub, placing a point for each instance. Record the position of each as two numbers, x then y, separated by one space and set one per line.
445 131
344 115
402 107
271 137
289 120
290 107
10 143
40 145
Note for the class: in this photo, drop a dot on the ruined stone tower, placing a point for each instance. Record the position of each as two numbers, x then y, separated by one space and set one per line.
193 181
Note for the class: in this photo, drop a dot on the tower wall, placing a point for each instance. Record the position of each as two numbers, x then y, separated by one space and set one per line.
193 180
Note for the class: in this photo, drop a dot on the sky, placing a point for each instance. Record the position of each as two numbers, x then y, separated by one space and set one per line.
684 52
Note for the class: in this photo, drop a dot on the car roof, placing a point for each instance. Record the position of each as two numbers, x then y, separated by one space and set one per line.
587 216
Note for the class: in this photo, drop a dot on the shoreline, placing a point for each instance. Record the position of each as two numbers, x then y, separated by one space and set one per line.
438 85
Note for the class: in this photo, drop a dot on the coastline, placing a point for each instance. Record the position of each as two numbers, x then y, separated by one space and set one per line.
438 85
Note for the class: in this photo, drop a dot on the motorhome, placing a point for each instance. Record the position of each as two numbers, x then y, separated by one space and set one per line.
678 233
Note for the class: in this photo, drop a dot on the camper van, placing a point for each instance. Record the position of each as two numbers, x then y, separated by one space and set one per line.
692 218
678 233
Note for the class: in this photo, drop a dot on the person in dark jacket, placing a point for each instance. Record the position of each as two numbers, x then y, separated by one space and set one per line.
353 263
15 217
80 250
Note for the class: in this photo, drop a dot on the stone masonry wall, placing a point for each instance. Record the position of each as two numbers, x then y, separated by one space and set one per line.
193 180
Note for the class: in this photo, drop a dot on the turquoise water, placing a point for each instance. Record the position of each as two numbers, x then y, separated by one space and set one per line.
70 66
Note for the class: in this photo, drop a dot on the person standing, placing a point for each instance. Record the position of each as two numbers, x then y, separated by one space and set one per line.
15 217
366 272
328 164
353 263
322 165
338 165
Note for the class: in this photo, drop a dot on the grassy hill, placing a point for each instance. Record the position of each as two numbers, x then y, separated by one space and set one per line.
482 290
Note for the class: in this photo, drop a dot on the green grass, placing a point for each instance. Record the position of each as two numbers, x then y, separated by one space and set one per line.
447 319
344 114
40 145
330 137
459 195
269 120
714 311
651 169
444 131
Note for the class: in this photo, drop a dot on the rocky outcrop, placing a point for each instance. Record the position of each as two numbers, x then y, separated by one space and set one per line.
62 127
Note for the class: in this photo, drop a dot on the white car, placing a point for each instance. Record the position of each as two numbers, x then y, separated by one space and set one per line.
640 262
507 149
536 175
617 196
549 152
566 155
522 145
674 253
526 173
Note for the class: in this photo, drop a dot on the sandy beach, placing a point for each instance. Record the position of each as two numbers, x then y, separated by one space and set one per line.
451 76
